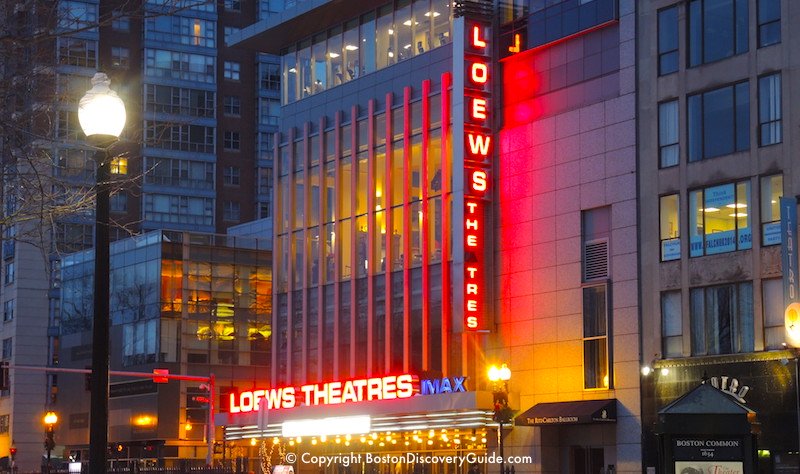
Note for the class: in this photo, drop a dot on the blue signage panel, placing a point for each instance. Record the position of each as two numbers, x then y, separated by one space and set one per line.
789 250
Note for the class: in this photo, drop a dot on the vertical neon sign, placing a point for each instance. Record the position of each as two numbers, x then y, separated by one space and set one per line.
478 144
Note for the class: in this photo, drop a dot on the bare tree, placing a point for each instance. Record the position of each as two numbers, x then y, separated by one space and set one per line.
46 169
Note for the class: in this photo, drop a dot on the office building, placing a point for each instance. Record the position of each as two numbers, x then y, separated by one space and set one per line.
193 304
717 175
455 188
200 118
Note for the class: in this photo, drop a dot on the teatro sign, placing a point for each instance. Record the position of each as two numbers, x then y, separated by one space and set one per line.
389 387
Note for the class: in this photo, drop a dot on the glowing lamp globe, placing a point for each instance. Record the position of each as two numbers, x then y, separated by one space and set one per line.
101 112
50 418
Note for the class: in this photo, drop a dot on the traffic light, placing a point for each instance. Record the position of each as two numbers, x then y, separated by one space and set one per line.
13 451
5 378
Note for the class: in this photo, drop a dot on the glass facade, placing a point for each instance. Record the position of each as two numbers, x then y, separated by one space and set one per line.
375 40
179 298
359 237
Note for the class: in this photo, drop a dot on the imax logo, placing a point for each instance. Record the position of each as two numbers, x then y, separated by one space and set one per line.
443 385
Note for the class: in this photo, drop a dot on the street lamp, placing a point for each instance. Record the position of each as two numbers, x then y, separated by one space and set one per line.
50 420
102 116
499 376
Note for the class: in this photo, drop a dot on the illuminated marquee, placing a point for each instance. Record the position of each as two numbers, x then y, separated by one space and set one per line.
389 387
478 145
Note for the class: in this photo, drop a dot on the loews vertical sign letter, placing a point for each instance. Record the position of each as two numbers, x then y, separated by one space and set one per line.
478 143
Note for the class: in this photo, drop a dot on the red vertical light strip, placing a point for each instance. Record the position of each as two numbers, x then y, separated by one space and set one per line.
353 237
388 219
290 262
320 255
447 163
276 217
371 229
304 279
426 91
337 261
406 227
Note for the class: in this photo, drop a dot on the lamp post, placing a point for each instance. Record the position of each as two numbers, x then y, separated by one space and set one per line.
50 420
102 116
499 376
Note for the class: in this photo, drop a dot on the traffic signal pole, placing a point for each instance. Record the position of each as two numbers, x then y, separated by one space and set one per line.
158 377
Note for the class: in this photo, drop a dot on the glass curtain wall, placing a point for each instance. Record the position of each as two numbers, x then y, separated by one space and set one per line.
375 40
367 256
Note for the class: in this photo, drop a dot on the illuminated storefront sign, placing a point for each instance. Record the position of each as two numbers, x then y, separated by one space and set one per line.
389 387
478 144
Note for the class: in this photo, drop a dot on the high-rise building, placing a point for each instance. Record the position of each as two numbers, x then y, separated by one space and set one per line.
718 183
455 188
199 154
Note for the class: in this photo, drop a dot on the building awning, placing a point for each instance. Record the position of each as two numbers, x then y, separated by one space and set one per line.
569 413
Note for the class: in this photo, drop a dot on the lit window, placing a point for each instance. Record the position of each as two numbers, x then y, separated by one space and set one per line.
771 193
722 319
595 338
119 166
670 228
719 219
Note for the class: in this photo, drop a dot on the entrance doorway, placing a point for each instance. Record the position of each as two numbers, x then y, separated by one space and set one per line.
587 460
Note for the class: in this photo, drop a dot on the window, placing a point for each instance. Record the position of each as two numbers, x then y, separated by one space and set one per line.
232 70
769 22
266 145
120 57
182 66
232 105
719 219
269 111
270 76
5 423
9 273
119 202
8 347
773 304
722 319
231 175
119 166
717 30
596 230
668 40
670 228
671 324
74 15
8 310
181 30
769 110
264 209
595 339
77 52
233 5
231 211
229 30
180 101
719 122
180 137
771 193
231 140
668 147
120 21
179 173
179 209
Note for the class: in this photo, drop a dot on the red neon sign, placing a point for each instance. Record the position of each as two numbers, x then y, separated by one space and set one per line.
478 141
389 387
